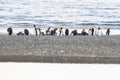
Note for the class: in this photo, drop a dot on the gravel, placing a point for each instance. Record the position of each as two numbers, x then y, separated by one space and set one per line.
60 49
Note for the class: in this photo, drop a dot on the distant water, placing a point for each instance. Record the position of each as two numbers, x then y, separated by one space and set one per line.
56 13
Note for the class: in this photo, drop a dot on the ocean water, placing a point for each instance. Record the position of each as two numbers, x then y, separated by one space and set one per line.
60 13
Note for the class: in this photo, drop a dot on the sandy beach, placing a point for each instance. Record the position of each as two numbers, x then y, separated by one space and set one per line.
60 49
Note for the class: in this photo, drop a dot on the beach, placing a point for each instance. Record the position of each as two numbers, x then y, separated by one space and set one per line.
60 49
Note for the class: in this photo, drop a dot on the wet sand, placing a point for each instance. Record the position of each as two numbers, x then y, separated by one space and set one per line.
60 49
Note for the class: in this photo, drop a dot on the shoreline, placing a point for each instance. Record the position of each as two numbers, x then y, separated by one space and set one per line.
113 31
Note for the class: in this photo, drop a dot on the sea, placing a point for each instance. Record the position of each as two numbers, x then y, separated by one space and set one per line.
60 13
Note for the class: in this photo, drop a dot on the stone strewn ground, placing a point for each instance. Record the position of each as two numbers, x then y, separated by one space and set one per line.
60 49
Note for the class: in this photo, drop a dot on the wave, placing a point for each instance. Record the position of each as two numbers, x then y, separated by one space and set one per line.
63 24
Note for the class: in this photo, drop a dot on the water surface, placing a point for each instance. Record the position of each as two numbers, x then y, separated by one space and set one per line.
56 13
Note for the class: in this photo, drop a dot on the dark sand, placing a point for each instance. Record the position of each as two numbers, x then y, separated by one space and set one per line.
60 49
